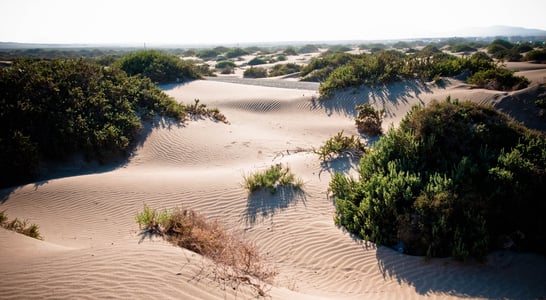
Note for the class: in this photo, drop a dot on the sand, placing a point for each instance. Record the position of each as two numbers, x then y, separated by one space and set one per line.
93 247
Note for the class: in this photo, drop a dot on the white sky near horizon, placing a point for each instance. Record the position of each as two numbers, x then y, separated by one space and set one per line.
246 21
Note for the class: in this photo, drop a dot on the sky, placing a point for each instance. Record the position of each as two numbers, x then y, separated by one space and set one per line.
246 21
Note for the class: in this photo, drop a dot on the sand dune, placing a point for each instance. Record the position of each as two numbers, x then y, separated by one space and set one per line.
93 247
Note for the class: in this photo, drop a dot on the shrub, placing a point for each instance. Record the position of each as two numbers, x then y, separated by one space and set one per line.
498 79
257 61
159 67
455 179
340 145
535 55
54 109
236 52
369 119
283 69
270 179
255 72
225 64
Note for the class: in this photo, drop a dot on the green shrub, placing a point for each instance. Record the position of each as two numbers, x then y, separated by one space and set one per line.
159 67
255 72
257 61
455 179
340 145
498 79
225 64
369 119
270 179
535 55
236 52
283 69
54 109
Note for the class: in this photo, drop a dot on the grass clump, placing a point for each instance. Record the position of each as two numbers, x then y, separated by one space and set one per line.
340 145
236 260
255 72
20 226
200 109
270 179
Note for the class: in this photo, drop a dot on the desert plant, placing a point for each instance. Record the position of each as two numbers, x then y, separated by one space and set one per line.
454 179
236 259
255 72
270 179
369 119
20 226
283 69
257 61
339 145
200 109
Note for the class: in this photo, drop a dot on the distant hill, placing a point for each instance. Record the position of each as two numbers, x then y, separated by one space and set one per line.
493 31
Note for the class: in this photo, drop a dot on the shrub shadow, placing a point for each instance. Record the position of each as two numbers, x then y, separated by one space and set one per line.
386 97
78 165
262 204
506 275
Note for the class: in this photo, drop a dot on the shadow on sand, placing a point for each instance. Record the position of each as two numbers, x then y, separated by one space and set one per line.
387 97
263 204
506 275
78 165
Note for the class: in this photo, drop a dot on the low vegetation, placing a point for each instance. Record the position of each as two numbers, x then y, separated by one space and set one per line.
271 179
20 226
454 179
255 72
200 109
368 120
158 66
386 66
54 109
236 259
340 145
283 69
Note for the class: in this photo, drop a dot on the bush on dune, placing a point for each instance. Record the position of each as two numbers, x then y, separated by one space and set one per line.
283 69
389 66
455 179
158 66
20 226
53 109
255 72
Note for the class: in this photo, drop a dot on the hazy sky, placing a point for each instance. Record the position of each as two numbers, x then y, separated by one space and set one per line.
241 21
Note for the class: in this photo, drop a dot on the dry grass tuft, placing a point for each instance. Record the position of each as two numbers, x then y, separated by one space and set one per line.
236 259
20 226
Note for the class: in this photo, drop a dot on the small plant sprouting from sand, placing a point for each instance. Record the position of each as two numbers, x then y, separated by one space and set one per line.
236 260
369 119
201 109
341 145
270 179
20 226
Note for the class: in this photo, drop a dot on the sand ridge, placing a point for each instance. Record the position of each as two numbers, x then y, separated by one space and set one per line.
93 247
